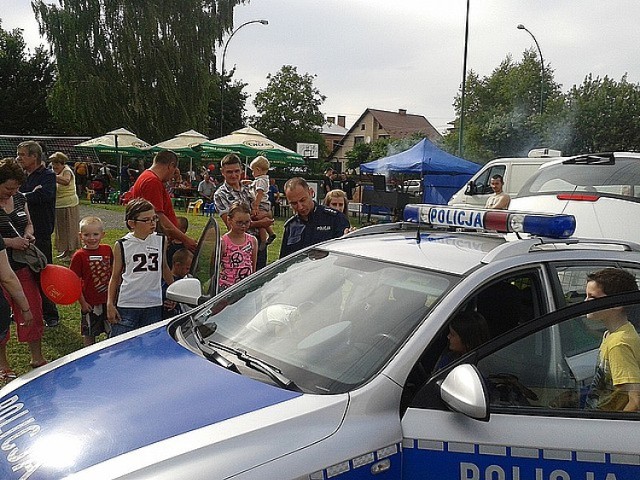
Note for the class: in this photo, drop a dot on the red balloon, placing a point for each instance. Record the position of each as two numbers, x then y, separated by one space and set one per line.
60 284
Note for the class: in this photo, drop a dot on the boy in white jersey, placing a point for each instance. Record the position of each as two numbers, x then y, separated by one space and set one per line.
139 266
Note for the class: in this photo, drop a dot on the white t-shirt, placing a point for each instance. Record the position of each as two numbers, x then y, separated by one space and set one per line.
261 183
142 275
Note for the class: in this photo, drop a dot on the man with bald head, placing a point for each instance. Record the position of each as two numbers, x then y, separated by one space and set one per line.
312 223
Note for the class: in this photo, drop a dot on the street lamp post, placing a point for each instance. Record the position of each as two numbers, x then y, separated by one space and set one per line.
224 53
522 27
464 82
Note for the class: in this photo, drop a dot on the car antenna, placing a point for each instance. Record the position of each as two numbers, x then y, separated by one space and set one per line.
418 231
566 203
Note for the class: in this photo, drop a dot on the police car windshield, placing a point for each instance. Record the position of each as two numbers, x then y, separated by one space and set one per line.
327 321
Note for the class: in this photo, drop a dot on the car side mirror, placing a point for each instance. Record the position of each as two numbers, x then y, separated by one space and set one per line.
464 390
185 290
471 188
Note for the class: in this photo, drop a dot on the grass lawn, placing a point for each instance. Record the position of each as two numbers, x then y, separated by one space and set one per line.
66 338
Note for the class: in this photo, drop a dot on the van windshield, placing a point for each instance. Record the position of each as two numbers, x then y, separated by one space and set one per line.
616 177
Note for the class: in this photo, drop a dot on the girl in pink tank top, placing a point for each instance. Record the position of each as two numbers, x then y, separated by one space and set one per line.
239 249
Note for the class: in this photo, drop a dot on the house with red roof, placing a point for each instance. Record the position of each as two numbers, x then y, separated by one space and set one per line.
377 124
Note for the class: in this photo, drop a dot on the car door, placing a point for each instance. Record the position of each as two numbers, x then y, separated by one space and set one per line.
206 259
535 423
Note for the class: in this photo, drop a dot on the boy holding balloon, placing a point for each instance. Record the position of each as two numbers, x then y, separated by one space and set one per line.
92 263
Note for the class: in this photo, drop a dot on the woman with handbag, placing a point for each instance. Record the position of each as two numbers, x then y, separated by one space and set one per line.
17 230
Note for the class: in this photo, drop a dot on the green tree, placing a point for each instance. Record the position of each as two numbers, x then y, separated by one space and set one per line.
146 66
24 83
601 115
359 154
502 111
289 108
235 100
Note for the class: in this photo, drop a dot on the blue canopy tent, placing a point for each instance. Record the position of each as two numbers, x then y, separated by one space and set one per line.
442 174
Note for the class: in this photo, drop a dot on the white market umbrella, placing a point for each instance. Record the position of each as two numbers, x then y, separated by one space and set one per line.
250 142
118 142
183 144
183 141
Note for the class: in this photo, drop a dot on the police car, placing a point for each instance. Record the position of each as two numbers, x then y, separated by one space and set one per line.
328 365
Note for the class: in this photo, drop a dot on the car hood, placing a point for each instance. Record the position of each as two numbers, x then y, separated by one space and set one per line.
126 396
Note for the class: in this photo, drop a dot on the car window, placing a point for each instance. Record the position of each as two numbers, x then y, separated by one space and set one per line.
503 304
573 279
520 173
559 368
483 182
616 178
328 321
205 261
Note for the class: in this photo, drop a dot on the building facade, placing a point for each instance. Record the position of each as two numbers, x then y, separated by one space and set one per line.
379 124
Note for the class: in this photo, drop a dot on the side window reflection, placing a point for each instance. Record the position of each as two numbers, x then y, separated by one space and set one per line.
570 365
573 280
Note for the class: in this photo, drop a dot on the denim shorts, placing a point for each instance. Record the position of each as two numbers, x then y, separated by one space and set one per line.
132 318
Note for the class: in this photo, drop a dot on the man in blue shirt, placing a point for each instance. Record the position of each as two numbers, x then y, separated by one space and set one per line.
40 191
312 223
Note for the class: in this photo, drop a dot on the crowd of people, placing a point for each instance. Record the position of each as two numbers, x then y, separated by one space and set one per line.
124 286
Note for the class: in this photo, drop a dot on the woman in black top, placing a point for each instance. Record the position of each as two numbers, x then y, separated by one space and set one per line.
17 230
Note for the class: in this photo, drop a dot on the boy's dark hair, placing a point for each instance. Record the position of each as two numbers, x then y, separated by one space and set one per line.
134 208
472 328
238 207
230 159
497 176
181 256
183 223
614 280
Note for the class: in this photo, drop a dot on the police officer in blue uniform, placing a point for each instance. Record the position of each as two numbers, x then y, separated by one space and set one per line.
312 223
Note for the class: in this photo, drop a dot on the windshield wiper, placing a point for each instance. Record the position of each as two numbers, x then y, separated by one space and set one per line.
209 350
261 366
209 353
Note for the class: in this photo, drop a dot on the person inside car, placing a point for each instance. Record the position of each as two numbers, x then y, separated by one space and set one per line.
616 383
499 200
467 330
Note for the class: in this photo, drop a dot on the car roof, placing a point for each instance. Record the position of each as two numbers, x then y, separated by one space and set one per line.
541 160
615 155
451 252
456 252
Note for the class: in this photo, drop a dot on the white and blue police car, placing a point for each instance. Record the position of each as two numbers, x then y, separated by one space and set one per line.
328 365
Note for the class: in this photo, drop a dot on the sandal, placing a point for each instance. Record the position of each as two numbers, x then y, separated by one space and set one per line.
6 375
36 365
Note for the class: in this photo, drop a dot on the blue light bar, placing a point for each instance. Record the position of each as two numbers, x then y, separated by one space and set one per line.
503 221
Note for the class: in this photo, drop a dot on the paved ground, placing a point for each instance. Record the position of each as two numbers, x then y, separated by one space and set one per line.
111 219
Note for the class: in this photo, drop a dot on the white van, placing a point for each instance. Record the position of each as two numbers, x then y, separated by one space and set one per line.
515 172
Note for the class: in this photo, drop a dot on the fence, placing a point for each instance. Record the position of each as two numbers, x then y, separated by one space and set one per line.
50 144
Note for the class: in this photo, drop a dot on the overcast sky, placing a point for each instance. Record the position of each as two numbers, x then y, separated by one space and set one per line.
409 53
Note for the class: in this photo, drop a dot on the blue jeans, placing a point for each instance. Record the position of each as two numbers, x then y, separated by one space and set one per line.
132 318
